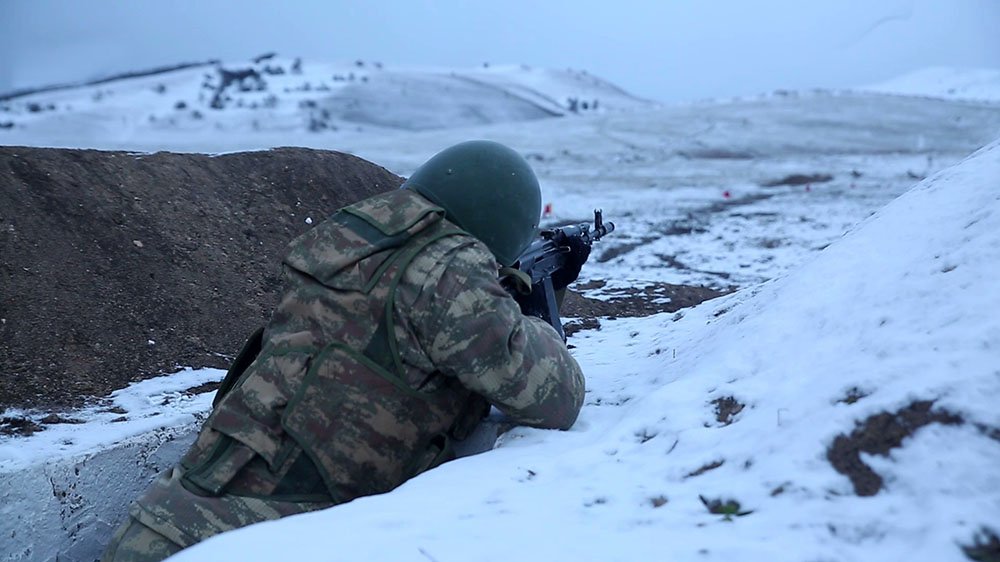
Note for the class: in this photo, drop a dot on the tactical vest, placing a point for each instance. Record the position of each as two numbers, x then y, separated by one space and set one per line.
327 410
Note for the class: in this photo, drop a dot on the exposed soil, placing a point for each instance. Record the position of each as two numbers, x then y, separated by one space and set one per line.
799 179
629 303
622 249
717 154
115 267
705 468
853 395
18 425
985 546
878 435
726 409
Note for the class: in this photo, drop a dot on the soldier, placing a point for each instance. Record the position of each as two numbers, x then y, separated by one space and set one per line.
391 341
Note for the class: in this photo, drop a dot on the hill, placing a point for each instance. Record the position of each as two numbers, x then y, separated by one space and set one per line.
270 94
942 82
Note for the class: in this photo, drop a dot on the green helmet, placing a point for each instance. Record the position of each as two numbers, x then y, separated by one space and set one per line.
488 190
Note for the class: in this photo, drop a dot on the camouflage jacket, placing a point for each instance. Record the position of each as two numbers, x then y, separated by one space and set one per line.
392 339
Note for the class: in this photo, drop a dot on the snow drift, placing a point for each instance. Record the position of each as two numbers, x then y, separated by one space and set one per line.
712 436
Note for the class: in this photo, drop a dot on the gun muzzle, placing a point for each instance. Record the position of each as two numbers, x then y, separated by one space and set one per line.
600 227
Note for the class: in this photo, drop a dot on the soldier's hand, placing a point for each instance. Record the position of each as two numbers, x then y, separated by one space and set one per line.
577 255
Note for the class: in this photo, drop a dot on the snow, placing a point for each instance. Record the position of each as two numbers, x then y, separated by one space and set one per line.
660 169
140 408
942 82
66 488
901 308
280 96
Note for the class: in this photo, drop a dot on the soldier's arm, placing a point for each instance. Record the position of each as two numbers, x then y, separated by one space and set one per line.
475 331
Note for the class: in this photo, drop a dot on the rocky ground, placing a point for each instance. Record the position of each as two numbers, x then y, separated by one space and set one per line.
115 267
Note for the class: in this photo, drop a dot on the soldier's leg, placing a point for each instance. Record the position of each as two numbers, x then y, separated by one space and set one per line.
135 542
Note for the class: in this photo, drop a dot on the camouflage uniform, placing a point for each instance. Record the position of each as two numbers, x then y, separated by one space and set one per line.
391 340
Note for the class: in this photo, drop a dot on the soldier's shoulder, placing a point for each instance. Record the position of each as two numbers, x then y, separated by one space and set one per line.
461 249
393 204
461 254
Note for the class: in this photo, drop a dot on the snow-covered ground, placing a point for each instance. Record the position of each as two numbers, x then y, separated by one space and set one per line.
941 82
126 413
64 489
827 330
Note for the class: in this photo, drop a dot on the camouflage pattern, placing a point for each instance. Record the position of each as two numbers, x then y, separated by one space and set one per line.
391 341
135 542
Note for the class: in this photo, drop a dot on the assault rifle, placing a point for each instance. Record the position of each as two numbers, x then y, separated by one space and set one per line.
530 282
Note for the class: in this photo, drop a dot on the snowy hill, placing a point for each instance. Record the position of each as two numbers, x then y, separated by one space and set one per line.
292 96
942 82
844 412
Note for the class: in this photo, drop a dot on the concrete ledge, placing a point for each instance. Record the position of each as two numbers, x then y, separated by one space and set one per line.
67 508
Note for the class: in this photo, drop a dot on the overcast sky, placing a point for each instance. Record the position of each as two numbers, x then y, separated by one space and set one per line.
667 50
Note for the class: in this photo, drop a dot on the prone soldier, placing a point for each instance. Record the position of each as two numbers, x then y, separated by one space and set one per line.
393 338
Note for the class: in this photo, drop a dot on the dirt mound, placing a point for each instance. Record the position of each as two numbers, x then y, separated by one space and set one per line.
117 266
